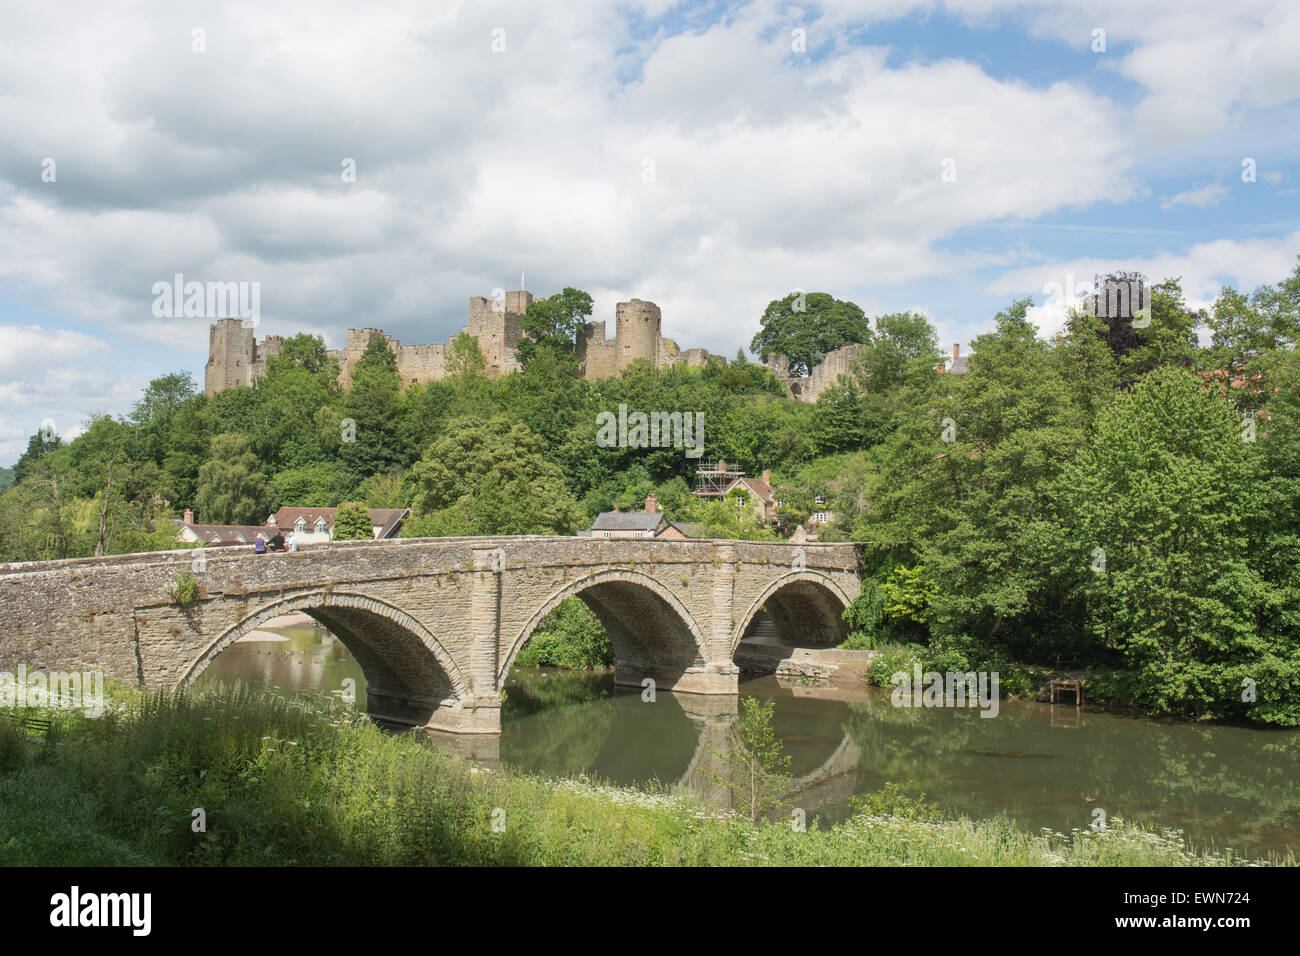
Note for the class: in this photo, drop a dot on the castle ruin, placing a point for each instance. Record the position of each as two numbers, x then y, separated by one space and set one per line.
235 357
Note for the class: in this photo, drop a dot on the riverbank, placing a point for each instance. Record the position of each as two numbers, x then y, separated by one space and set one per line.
282 783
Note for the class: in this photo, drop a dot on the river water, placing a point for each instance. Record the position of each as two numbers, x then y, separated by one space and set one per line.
1042 766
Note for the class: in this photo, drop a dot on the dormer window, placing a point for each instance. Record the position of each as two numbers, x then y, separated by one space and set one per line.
300 525
320 525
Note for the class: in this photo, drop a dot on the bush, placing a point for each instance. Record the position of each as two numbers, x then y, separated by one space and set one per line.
186 589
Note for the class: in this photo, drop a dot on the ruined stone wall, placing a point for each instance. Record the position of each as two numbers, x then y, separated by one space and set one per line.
421 363
597 355
809 387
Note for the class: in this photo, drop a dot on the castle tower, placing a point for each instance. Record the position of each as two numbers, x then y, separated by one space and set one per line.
636 332
498 332
231 355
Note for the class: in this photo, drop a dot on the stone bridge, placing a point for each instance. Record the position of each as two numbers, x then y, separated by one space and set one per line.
435 623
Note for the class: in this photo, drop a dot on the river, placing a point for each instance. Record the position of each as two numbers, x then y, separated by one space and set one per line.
1042 766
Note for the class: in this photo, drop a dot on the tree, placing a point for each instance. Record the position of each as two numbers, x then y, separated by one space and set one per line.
756 766
1164 499
373 443
310 486
554 323
489 477
157 407
231 488
904 349
464 357
307 352
804 327
352 523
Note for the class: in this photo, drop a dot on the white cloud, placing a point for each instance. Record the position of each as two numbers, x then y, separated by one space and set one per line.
1208 195
57 376
1204 269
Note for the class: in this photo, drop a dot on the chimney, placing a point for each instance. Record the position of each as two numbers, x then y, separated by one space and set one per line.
767 475
650 503
722 465
189 516
956 350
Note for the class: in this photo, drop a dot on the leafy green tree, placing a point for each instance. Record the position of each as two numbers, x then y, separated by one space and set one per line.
756 766
352 523
157 408
373 442
464 357
554 323
804 327
231 487
321 485
490 478
1163 499
904 351
307 352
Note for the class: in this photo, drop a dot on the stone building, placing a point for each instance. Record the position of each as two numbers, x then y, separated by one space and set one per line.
235 357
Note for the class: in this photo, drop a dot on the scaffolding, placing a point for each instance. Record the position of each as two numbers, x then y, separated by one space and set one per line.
712 480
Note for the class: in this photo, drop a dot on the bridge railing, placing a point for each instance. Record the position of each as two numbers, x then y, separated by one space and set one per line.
230 553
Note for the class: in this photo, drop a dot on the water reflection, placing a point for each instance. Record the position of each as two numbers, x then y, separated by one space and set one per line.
1039 765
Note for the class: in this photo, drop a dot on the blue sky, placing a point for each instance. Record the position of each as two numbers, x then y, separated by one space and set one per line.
693 155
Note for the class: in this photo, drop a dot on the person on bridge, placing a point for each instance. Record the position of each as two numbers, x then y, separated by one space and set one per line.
293 540
259 546
277 542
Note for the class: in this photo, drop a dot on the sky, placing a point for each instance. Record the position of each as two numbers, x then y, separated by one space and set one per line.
946 156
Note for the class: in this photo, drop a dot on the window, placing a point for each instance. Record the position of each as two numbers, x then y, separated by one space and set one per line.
320 525
300 525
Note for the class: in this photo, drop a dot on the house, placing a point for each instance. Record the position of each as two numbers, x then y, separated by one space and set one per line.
311 526
957 363
316 525
219 535
650 523
718 481
678 530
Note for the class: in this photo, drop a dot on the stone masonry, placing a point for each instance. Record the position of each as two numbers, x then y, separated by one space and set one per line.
434 623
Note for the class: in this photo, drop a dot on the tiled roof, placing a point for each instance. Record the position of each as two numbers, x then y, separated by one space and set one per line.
627 521
386 519
757 485
231 533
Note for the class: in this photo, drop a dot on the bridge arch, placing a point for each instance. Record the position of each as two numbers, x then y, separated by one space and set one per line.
653 633
804 606
409 674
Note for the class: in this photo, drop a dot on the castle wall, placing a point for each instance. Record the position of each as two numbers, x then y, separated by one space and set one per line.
810 387
236 358
597 355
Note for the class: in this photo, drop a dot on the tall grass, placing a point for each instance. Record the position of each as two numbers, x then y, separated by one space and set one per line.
293 783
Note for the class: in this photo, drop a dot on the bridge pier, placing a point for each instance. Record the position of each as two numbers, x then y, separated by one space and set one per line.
473 717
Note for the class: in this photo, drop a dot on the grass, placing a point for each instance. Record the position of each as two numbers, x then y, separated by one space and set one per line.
290 783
